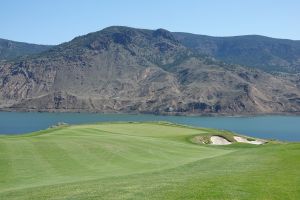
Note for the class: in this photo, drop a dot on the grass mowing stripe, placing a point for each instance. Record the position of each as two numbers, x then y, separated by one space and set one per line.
138 174
5 164
59 159
146 161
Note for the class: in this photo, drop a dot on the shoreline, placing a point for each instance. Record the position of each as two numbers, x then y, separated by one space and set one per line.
262 126
187 114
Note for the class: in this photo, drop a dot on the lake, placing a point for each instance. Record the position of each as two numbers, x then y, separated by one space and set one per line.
285 128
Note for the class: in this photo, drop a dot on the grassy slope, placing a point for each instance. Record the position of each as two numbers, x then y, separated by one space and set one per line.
142 161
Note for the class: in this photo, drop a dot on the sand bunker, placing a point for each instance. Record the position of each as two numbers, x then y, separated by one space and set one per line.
244 140
217 140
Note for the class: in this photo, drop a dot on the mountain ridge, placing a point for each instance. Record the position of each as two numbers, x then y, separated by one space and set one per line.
245 50
266 53
12 49
121 69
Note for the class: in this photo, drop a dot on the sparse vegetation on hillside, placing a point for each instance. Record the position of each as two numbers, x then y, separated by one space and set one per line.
10 50
268 54
122 69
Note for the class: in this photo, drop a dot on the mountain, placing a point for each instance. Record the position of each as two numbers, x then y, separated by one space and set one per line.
261 52
122 69
11 49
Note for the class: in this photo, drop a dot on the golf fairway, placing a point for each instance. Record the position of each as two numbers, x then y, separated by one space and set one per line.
143 161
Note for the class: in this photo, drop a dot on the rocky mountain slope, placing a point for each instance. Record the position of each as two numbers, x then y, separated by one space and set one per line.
11 49
268 54
121 69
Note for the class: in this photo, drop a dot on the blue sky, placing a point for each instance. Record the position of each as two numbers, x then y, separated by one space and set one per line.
56 21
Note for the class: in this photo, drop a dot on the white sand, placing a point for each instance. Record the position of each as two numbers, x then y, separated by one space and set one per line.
217 140
244 140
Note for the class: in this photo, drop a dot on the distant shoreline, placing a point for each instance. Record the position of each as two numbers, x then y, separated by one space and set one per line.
187 114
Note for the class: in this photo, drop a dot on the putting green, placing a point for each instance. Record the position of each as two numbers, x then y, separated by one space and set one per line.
143 161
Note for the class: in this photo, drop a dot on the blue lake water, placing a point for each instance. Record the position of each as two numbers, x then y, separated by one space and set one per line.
285 128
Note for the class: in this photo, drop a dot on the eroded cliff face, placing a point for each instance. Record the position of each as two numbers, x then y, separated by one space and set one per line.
121 69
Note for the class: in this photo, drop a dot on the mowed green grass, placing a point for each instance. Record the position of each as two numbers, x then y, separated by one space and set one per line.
143 161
